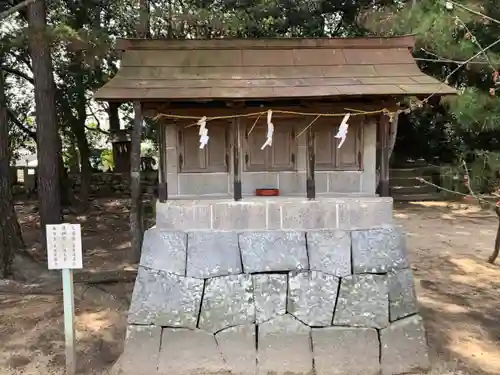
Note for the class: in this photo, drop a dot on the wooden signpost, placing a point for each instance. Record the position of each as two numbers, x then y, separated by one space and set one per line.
64 252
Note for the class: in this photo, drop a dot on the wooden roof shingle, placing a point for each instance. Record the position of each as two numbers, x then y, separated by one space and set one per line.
225 69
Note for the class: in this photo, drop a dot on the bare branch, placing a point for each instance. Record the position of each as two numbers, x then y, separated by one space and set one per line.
474 40
483 51
475 12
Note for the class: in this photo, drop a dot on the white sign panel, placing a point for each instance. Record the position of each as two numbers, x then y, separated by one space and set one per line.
64 246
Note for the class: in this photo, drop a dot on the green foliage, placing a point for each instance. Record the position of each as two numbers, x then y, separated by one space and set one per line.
108 163
257 19
465 127
476 110
483 171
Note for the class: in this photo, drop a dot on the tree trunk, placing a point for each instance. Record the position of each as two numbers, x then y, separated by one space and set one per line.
135 152
85 167
135 184
80 134
48 143
10 231
65 183
74 164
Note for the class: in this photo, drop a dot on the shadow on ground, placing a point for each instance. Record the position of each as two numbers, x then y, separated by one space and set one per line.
458 290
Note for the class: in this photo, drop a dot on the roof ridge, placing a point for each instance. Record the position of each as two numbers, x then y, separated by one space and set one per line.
404 41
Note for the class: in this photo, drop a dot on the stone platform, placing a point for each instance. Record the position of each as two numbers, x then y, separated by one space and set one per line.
258 302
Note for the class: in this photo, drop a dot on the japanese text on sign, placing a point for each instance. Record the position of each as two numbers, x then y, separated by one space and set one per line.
64 246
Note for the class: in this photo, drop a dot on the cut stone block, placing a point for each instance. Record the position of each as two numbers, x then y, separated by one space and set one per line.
239 215
364 213
378 250
212 254
284 347
273 251
306 214
337 351
363 302
140 353
228 301
178 216
238 347
404 347
165 299
312 296
402 298
270 296
185 352
164 250
330 252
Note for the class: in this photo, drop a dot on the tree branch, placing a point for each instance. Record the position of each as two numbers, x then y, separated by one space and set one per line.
16 8
20 125
475 12
97 130
18 74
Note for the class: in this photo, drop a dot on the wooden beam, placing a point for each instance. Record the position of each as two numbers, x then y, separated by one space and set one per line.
236 159
385 126
311 161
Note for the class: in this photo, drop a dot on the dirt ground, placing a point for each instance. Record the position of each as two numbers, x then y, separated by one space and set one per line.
459 293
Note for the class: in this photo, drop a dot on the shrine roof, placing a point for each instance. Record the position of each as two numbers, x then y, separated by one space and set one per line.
251 69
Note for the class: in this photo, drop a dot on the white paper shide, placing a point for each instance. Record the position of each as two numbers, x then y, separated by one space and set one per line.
202 123
64 246
343 129
270 131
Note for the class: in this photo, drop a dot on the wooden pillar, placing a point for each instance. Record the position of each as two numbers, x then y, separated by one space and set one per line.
135 182
162 163
236 159
384 130
311 161
114 129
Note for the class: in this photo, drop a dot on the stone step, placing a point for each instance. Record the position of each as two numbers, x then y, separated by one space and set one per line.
413 189
417 197
408 181
412 172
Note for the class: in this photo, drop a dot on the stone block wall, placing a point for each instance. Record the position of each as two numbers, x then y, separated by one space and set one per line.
109 184
274 302
285 213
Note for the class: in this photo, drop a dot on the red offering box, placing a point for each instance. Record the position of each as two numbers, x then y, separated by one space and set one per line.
267 192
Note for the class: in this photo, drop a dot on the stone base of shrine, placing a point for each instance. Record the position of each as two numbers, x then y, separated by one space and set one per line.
324 301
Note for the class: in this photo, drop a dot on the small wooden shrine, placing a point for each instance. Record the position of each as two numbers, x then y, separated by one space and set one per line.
291 93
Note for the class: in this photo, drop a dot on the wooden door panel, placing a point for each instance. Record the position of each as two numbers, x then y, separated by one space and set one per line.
191 157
